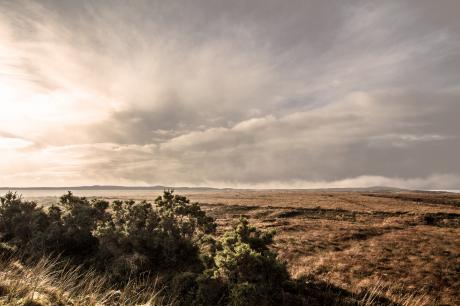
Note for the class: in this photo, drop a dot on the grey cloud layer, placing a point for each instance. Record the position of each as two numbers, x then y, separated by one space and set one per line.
246 93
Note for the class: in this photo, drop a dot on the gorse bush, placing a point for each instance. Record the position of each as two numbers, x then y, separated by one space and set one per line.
21 222
173 238
139 237
246 263
241 270
72 223
66 228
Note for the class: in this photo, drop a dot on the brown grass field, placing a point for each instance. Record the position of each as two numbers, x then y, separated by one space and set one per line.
404 246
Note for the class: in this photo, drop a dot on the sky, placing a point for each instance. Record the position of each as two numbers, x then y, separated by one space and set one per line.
243 94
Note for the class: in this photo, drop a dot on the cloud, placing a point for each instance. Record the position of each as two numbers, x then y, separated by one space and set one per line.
8 143
315 145
229 94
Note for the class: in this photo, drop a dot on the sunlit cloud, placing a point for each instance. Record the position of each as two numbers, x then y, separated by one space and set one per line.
7 143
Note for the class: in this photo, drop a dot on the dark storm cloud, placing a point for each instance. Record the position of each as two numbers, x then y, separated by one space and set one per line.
243 93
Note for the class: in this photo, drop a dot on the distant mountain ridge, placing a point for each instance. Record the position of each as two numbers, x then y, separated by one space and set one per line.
107 187
161 187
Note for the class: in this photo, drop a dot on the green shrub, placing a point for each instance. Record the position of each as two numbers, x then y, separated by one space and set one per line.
65 229
184 286
241 270
244 256
132 238
250 268
245 294
210 291
140 237
73 222
22 223
180 217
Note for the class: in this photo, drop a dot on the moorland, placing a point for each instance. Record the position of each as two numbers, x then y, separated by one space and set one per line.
349 247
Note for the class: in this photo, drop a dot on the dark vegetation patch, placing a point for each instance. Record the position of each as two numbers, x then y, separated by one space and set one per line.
289 213
230 211
286 212
442 219
421 198
333 214
365 233
3 290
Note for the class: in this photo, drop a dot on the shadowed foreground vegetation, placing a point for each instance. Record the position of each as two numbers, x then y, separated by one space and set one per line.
172 252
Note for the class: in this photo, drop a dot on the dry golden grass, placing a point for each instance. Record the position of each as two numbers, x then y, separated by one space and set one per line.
51 282
402 246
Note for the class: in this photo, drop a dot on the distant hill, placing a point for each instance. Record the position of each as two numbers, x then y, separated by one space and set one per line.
161 187
107 187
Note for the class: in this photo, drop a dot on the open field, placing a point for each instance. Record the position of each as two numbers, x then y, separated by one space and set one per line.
405 243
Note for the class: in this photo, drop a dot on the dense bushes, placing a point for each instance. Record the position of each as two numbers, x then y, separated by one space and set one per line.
21 222
65 229
139 237
173 238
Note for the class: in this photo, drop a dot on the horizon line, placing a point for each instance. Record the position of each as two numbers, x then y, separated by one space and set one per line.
159 187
